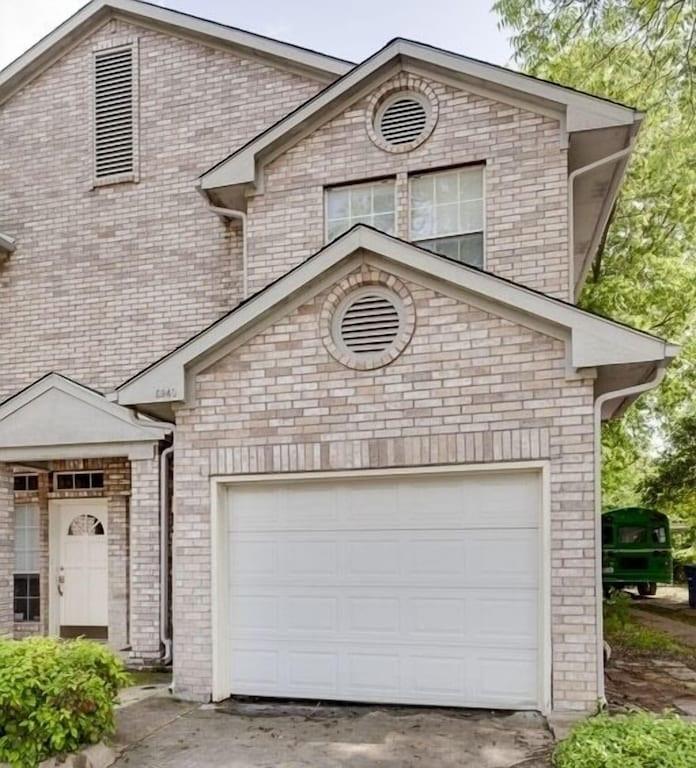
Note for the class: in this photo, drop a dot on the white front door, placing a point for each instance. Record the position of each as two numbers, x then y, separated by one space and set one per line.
79 554
407 589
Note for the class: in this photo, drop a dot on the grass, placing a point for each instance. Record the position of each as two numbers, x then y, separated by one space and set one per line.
638 740
625 633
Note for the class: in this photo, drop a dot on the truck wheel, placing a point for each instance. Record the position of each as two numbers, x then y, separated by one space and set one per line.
652 588
643 589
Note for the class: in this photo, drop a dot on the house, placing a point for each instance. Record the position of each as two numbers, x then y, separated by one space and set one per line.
294 388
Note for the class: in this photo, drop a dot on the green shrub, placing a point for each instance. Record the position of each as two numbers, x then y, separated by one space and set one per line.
638 740
54 697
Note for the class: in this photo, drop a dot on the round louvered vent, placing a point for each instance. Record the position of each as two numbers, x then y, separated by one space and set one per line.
402 120
369 324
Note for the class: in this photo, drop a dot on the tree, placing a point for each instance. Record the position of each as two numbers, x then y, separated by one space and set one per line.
641 53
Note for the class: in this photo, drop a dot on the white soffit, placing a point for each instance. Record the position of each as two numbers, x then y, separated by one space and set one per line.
56 411
582 111
61 39
595 341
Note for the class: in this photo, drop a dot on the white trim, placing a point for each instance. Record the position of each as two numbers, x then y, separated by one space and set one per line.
595 341
55 507
7 246
219 484
583 111
62 38
33 425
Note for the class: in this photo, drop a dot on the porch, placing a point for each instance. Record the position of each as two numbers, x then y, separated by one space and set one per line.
80 519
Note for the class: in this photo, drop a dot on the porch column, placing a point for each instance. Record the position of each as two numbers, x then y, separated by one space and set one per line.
6 551
144 560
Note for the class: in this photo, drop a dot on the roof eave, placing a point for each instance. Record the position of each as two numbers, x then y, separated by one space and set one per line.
595 341
62 38
582 111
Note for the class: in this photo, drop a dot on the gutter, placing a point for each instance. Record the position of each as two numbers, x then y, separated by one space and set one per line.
636 389
613 158
165 640
231 213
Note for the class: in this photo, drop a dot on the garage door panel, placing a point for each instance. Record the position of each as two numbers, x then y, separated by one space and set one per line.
421 589
458 676
416 616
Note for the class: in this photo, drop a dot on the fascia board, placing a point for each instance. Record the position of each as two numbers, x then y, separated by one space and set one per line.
54 45
594 341
141 430
583 111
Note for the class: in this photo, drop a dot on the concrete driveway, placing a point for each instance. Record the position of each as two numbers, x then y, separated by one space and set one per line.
161 732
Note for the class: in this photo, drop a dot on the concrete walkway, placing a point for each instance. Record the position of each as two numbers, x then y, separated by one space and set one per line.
160 732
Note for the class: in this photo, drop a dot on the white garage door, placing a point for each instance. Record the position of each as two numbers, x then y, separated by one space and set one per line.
406 589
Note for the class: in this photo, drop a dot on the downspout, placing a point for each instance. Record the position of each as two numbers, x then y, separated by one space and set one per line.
231 213
571 218
599 593
165 640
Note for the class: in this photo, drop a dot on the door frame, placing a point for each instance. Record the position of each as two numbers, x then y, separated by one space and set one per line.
55 509
219 554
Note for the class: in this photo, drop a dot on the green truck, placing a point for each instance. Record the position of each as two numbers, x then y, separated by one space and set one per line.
636 549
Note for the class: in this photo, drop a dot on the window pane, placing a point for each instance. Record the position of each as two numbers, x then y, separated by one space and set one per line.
465 248
471 213
371 204
97 479
361 202
447 219
471 184
384 222
421 223
20 483
32 482
34 612
64 482
446 204
338 204
446 188
384 198
82 480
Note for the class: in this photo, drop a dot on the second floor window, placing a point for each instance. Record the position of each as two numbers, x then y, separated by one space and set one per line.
447 213
371 204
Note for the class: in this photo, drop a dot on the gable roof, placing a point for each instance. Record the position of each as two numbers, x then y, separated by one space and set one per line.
55 415
580 111
595 341
96 12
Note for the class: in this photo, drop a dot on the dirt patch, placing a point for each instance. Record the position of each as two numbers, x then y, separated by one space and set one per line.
656 685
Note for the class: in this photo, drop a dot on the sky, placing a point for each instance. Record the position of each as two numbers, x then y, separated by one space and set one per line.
351 30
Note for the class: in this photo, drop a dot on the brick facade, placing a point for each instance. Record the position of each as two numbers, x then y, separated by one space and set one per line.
526 198
106 280
470 387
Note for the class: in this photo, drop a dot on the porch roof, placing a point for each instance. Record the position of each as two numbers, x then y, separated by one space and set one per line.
58 418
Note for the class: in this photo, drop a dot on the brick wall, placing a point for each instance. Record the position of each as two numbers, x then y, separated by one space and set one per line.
470 387
525 186
106 280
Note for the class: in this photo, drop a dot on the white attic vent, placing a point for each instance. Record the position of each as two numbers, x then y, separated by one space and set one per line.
369 324
114 112
402 120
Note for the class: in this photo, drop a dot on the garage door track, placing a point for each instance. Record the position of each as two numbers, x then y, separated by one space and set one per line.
161 732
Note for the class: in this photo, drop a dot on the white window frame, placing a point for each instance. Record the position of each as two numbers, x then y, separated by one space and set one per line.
479 166
113 46
27 475
375 182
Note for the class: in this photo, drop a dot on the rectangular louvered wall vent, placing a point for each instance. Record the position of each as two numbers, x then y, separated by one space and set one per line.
114 112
